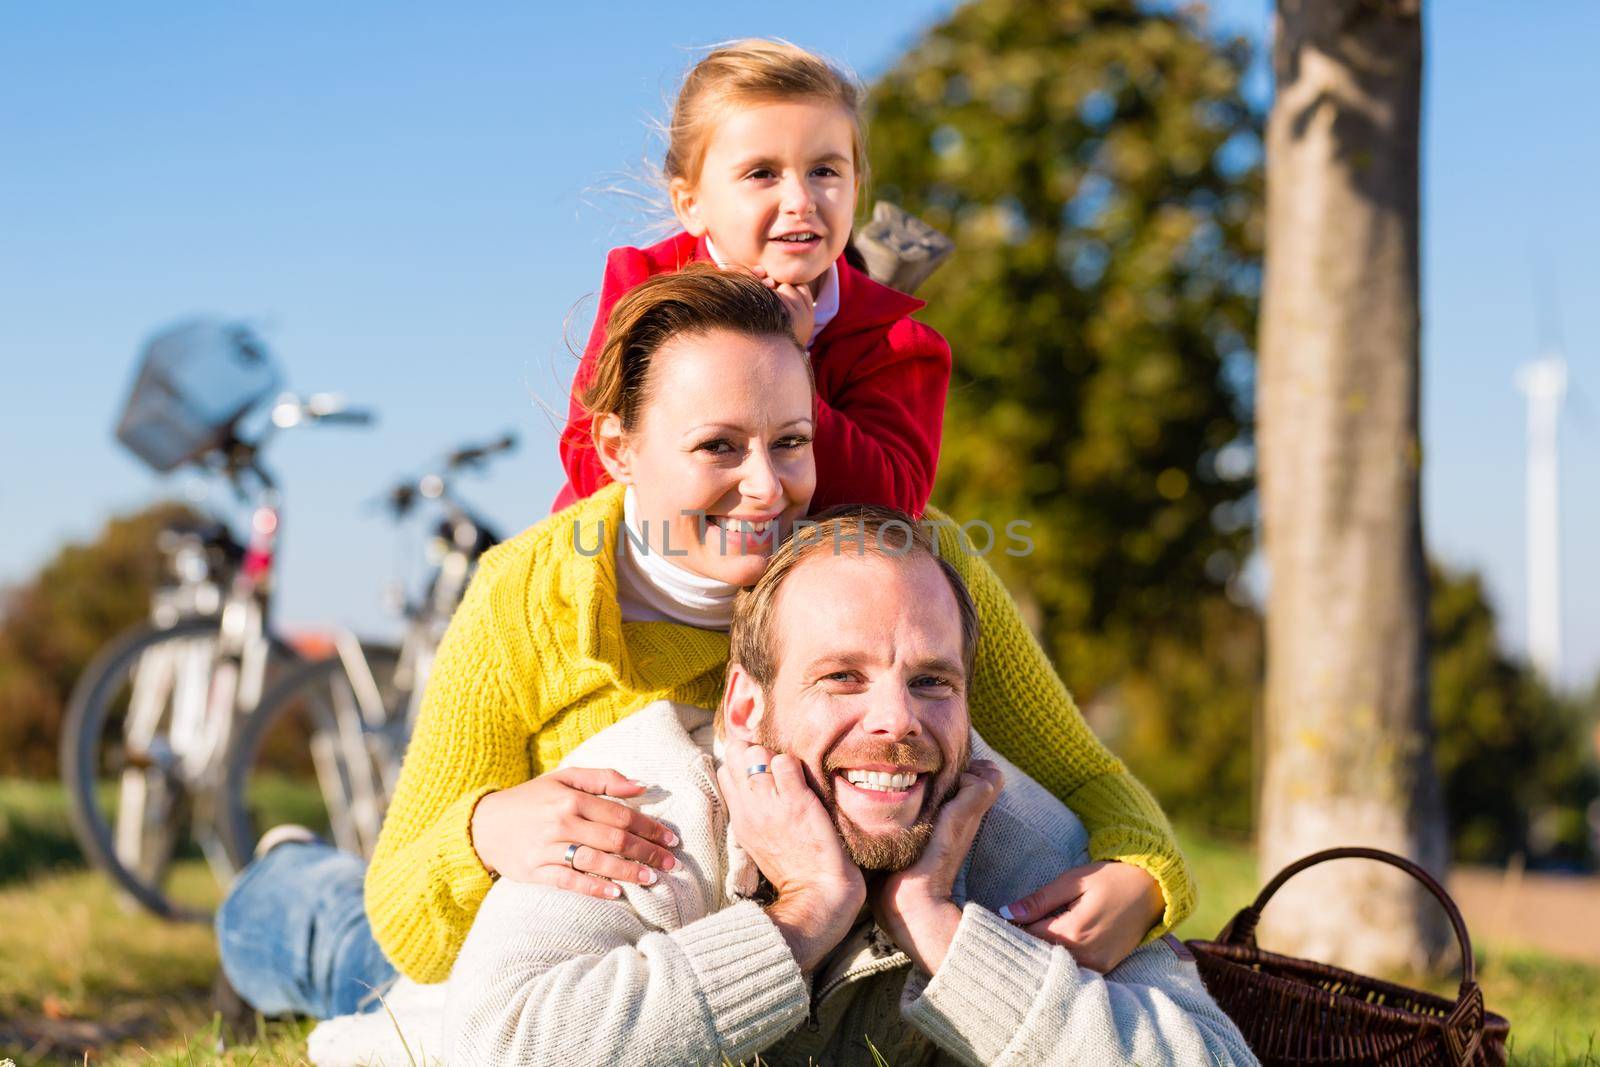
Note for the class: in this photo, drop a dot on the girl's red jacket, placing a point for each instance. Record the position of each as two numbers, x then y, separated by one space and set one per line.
881 384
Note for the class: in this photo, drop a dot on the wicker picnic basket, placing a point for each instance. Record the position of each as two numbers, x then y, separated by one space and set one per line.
1296 1011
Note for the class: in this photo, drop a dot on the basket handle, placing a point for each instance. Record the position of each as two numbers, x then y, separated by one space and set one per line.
1465 1025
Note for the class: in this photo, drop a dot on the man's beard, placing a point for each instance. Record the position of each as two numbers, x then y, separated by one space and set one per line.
897 848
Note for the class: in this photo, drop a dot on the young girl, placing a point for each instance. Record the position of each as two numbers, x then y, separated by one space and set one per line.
765 164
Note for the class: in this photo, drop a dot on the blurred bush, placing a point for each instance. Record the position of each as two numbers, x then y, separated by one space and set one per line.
52 626
1185 719
1517 761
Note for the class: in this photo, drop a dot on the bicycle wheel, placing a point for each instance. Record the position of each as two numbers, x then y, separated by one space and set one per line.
319 750
134 765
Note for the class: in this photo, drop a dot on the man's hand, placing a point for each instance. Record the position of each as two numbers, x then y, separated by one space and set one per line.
913 906
797 301
783 825
1100 912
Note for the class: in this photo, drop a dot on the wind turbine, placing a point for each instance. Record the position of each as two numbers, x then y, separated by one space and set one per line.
1544 383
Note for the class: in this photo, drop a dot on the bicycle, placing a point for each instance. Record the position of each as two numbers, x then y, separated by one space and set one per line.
149 722
354 710
145 685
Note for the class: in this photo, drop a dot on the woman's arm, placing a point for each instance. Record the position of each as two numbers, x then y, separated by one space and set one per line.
426 881
467 809
1020 705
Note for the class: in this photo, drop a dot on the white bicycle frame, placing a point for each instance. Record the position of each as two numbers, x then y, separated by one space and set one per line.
205 684
199 687
357 755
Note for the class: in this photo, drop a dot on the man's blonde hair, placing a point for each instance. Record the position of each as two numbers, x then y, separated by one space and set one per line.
858 529
753 72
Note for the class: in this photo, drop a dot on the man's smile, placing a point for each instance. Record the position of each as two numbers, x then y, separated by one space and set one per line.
874 797
882 781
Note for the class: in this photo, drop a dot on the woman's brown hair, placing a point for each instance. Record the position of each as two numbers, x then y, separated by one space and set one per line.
697 299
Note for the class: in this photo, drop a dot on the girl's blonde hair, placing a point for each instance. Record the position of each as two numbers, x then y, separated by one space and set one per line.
697 299
753 71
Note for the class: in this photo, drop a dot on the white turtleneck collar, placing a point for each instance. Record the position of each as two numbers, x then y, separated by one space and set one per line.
652 588
824 306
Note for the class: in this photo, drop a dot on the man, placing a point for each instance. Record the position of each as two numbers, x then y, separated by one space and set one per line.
839 866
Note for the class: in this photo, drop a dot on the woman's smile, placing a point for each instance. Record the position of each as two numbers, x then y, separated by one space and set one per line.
742 534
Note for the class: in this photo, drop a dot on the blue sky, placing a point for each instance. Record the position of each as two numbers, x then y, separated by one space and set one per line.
405 201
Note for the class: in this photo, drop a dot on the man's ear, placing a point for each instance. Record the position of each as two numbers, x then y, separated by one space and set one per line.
743 704
686 205
611 444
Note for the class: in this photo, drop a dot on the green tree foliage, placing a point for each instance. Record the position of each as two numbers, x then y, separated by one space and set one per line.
1188 718
1517 761
1097 167
52 626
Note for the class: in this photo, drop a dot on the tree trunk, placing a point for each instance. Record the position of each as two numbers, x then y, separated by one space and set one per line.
1348 745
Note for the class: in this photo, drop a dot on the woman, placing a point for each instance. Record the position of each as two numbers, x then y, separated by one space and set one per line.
704 411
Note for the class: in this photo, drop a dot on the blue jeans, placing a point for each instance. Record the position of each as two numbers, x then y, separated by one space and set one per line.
294 938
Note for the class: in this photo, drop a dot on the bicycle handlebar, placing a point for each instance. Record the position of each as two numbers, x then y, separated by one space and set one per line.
402 496
237 456
290 411
352 417
472 455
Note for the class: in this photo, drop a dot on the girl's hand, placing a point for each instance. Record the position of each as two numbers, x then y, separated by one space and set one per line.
797 300
1100 912
523 833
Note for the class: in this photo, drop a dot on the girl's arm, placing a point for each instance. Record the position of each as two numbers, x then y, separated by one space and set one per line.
879 422
1020 706
426 881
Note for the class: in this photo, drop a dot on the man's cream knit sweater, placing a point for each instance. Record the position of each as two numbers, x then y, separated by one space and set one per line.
688 972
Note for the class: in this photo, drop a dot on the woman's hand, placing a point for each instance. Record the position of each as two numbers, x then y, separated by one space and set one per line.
797 301
783 825
523 833
1100 912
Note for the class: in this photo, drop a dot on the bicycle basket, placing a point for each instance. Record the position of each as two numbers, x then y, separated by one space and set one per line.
1295 1011
195 380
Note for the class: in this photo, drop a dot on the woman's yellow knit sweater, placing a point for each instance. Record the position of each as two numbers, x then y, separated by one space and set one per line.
537 659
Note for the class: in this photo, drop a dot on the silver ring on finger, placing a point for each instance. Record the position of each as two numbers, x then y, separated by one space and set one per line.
755 769
571 857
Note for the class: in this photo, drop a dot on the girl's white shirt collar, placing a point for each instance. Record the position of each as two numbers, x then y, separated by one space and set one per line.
823 309
652 588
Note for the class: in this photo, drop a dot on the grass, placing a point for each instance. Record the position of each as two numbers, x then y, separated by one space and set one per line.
80 972
34 835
